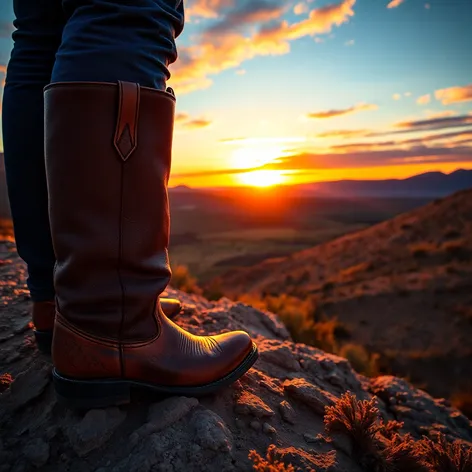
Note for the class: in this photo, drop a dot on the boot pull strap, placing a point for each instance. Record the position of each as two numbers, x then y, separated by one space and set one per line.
126 133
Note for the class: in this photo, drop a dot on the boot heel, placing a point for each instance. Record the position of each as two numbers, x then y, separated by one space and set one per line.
43 341
88 394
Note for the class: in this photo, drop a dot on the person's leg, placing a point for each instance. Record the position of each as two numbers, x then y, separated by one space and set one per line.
129 40
39 26
109 125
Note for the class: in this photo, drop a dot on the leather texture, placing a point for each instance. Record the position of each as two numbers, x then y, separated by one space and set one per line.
109 216
174 358
43 314
108 153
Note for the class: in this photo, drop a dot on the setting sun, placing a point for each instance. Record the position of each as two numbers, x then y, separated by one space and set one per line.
262 178
254 156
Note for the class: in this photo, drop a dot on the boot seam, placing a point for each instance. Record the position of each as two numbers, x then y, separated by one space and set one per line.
120 280
101 340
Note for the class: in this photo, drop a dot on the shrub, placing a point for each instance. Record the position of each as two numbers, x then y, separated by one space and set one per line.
183 280
214 290
360 359
443 456
270 463
377 445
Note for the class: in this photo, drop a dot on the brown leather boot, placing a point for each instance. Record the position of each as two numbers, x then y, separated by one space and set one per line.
108 155
44 313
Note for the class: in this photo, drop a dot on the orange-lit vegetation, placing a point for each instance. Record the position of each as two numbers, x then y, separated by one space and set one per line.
380 447
270 463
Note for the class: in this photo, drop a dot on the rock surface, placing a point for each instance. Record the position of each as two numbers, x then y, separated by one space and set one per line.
280 401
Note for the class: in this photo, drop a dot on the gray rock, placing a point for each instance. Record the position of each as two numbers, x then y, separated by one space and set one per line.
94 430
29 385
37 452
163 414
250 404
255 425
309 394
287 412
211 431
279 355
268 429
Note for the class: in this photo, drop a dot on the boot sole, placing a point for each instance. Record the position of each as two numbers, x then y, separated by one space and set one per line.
88 394
43 341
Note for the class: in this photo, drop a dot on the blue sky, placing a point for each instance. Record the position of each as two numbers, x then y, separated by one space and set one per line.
276 91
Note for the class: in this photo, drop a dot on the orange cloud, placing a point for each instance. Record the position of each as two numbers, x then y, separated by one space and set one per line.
344 133
454 94
395 3
207 8
226 48
344 111
300 8
424 99
197 123
184 120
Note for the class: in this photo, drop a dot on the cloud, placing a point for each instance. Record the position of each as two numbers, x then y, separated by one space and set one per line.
395 3
344 133
197 123
300 8
454 94
246 13
396 96
207 8
184 120
435 123
424 99
349 43
219 49
240 72
367 157
344 111
6 29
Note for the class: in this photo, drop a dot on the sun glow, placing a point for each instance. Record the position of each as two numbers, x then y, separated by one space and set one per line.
262 178
254 156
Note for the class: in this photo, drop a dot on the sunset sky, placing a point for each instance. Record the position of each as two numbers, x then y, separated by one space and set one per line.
317 90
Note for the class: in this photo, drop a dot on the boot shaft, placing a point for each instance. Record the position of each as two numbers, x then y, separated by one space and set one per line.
108 157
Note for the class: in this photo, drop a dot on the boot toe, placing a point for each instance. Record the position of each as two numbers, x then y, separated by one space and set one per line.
170 306
235 347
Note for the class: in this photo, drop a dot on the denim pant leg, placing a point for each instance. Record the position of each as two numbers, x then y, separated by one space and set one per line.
110 40
39 26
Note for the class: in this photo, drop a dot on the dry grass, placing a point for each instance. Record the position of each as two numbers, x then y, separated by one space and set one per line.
183 280
360 359
443 456
270 463
379 447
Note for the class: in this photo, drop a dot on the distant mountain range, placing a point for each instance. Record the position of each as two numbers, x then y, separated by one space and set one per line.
428 185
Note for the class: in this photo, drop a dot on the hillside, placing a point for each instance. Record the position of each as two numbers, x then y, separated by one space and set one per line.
280 402
403 288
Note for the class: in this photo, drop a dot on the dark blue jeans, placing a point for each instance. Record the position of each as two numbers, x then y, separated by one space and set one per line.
70 40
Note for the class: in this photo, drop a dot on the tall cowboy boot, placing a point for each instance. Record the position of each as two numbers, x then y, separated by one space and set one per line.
108 154
44 313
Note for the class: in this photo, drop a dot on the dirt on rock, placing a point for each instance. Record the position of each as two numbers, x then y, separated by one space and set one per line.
280 401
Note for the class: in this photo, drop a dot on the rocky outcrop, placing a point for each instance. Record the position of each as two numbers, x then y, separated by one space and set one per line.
280 401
